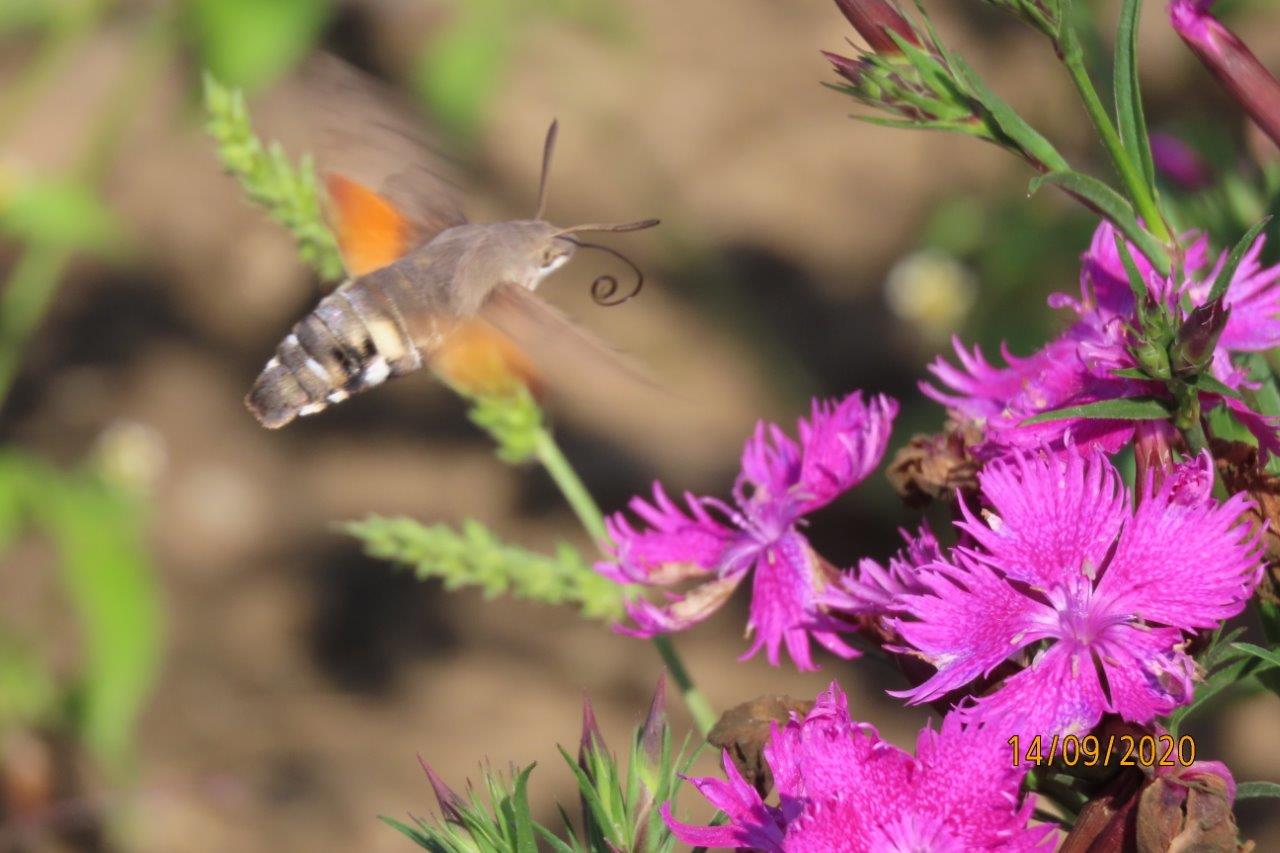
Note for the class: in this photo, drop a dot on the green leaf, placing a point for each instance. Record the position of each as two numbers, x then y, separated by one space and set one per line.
1223 425
1265 400
461 70
248 43
1220 651
16 485
1223 679
1130 120
1124 409
526 838
1008 120
106 573
1267 397
1228 271
60 213
597 824
1254 790
1270 656
1206 383
1113 206
422 839
552 841
28 694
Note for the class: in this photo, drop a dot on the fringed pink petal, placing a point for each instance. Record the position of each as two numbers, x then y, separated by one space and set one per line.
842 442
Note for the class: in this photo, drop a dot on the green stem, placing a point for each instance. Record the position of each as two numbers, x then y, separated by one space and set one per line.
699 708
1135 185
1195 437
571 486
584 507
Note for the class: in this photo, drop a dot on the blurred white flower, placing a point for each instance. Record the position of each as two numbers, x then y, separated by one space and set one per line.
931 291
130 455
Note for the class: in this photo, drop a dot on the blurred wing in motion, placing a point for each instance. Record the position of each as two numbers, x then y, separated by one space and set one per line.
571 356
377 159
477 358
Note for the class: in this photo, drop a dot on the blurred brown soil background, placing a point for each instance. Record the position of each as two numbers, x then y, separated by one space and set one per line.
300 677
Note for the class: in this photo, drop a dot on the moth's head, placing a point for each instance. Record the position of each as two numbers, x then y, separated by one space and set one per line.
540 249
555 253
548 248
559 243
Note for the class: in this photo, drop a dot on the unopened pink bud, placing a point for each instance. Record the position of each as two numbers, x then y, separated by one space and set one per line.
451 805
849 69
1231 61
874 20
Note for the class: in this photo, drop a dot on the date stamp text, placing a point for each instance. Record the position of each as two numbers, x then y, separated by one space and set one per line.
1091 751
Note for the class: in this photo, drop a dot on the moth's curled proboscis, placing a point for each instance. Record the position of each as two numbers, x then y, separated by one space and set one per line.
604 289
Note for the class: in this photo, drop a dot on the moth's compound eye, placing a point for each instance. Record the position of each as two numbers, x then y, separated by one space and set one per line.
553 258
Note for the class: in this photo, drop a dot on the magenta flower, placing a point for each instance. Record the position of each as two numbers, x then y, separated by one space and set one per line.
718 543
872 589
1101 595
1079 367
842 788
1231 61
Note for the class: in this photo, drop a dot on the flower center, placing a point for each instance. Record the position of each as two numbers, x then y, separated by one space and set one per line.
1082 619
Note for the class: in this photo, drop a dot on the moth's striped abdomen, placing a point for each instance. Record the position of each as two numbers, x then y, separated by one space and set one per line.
354 339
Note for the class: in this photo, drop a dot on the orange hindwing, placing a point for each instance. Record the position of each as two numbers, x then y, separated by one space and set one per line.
372 232
480 360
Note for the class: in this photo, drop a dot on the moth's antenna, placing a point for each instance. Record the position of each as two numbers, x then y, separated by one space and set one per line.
623 226
605 287
548 148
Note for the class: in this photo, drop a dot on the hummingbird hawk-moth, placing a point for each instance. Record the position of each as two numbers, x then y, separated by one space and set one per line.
427 287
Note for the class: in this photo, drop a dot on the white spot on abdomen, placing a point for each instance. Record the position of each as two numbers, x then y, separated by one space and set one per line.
375 372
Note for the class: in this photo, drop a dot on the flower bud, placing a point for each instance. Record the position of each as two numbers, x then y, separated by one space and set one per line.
874 20
1041 14
897 85
592 740
1235 66
1153 359
849 69
452 806
1197 338
654 728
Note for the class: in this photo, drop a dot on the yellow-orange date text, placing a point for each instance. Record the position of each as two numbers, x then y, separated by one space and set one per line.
1091 751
